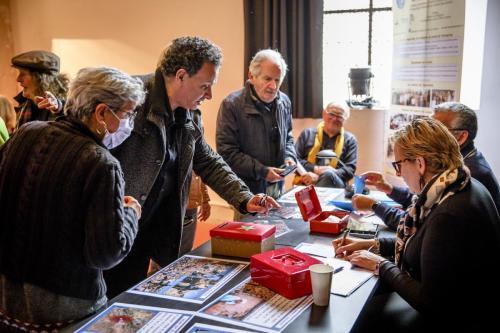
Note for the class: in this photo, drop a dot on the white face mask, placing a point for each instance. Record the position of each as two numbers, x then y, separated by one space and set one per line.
112 140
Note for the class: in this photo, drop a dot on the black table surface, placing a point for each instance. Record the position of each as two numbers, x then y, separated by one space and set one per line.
339 316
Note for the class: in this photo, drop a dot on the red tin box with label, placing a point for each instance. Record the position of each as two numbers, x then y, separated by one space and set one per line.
240 239
285 271
329 222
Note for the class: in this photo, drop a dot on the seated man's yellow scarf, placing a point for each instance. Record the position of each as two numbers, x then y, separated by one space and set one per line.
318 141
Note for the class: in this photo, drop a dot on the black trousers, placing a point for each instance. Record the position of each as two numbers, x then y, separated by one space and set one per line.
188 231
131 270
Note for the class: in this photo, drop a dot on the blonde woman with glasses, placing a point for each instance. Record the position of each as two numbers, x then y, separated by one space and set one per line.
447 242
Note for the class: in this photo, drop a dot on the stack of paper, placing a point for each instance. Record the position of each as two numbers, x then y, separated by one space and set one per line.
348 279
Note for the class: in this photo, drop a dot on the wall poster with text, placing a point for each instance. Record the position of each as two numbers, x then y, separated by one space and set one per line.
427 61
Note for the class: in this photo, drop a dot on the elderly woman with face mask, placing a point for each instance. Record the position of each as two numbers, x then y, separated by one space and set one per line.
448 238
65 217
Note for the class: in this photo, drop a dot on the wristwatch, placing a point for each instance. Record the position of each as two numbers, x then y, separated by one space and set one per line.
377 267
375 205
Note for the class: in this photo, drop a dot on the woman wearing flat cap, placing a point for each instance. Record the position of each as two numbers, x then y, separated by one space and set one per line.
44 88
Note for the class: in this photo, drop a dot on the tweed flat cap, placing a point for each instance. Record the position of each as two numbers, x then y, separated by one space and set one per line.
38 61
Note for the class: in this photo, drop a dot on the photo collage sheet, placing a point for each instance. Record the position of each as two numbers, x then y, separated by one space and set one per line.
194 279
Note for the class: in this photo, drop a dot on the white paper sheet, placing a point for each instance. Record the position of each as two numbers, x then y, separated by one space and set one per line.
348 279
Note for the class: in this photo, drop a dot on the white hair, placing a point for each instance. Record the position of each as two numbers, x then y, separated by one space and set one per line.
271 55
340 105
94 85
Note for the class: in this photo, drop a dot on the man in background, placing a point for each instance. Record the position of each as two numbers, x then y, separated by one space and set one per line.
328 135
461 121
254 126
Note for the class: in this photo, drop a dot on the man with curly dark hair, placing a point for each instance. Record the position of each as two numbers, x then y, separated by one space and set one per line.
159 154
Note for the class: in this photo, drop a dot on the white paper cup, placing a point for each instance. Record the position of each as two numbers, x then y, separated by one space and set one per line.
321 282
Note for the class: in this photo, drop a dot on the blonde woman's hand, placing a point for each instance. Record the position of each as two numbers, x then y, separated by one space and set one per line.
362 202
365 259
378 180
349 245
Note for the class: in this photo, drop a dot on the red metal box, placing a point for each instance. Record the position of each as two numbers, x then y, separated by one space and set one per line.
329 222
285 271
239 239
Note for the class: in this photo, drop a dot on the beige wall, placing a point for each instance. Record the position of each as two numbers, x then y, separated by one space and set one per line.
129 34
7 73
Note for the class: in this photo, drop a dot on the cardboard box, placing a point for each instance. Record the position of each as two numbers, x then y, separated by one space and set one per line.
329 222
239 239
285 271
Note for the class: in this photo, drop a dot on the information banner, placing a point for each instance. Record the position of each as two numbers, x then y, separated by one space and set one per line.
427 61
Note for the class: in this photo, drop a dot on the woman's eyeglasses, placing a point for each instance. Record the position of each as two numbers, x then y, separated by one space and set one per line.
128 115
397 164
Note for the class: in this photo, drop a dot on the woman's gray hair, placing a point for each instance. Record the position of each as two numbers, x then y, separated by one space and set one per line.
94 85
270 55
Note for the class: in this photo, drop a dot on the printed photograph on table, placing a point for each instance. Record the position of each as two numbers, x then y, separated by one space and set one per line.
129 318
190 279
289 196
198 328
281 227
324 194
254 306
283 212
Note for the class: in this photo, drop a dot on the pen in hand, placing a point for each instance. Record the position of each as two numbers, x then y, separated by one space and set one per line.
263 202
346 231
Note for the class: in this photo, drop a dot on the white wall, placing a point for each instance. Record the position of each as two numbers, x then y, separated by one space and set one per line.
475 19
488 136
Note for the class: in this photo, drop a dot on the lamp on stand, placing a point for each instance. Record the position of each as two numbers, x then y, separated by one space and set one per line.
360 88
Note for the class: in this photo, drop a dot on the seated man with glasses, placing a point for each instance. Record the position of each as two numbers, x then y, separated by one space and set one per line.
461 121
329 134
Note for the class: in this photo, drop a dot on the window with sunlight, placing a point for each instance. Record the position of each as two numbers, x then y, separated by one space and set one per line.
357 33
